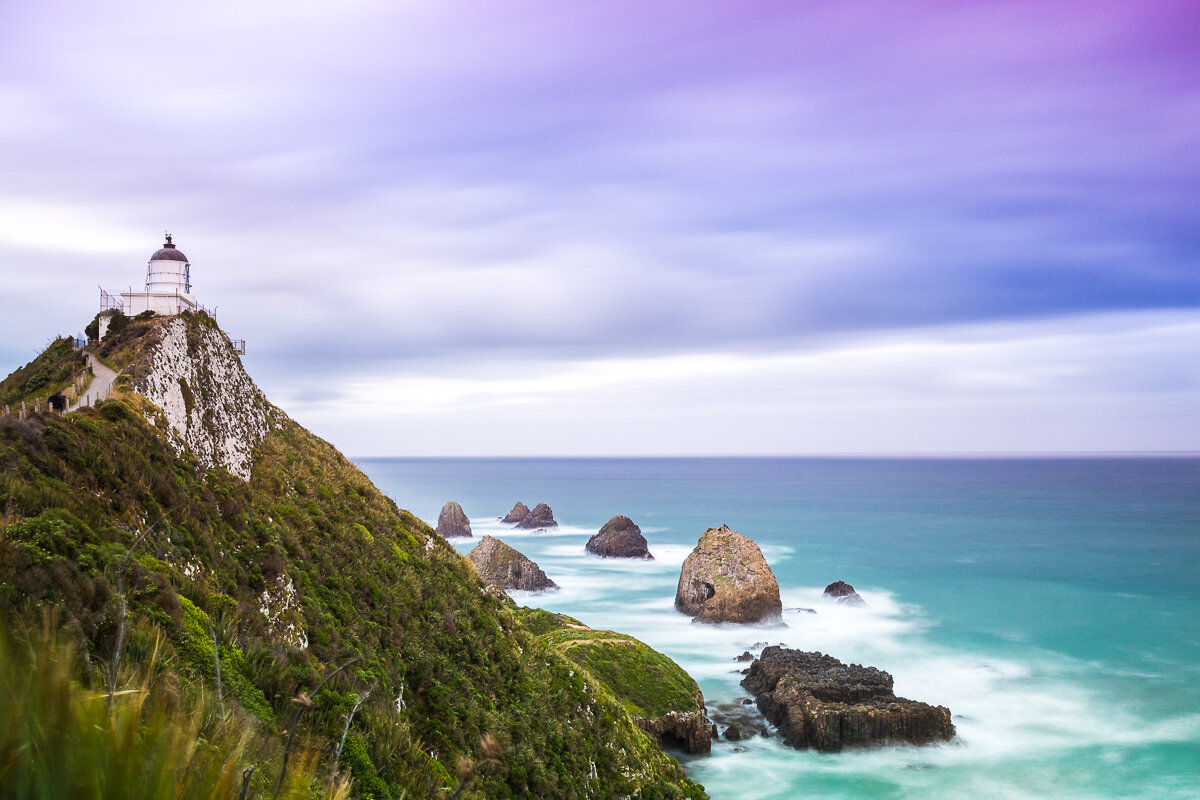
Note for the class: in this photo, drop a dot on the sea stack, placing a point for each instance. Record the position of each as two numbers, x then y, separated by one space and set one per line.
540 517
818 702
501 565
620 537
843 594
519 512
453 522
726 579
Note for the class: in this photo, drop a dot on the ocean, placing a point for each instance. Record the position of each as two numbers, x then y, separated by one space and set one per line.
1053 604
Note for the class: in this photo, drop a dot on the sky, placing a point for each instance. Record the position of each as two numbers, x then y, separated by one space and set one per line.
631 228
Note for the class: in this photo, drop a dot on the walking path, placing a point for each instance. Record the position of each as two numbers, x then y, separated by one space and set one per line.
101 385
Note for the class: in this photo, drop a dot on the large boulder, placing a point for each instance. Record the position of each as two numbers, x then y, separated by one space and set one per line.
519 512
540 517
726 579
843 594
620 537
453 521
818 702
501 565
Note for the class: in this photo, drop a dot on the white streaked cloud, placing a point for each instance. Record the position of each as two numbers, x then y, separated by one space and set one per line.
1058 384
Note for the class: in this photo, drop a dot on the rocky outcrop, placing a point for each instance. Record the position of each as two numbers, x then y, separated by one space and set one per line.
843 594
519 512
211 405
818 702
501 565
540 517
620 537
726 579
453 521
689 730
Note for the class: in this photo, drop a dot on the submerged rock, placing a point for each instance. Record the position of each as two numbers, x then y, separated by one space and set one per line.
843 594
818 702
620 537
726 579
453 521
503 566
519 512
540 517
736 721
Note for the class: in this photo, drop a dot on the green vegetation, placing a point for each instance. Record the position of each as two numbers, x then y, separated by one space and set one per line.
52 371
645 681
275 584
156 738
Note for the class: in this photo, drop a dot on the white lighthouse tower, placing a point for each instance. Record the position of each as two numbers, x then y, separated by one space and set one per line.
168 284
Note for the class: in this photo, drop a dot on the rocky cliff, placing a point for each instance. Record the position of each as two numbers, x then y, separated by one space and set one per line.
212 406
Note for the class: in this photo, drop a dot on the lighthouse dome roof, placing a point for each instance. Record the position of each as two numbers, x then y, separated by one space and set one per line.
168 252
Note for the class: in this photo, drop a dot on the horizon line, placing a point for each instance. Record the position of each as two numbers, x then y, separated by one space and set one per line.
915 455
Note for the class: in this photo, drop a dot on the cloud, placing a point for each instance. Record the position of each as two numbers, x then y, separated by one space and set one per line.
1078 383
369 188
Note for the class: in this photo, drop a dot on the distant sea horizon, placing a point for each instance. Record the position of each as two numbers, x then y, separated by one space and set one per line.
915 455
1051 601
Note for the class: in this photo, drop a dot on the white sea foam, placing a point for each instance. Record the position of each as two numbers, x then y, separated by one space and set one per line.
1007 709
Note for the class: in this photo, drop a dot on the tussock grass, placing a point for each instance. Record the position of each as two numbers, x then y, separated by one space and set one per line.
158 739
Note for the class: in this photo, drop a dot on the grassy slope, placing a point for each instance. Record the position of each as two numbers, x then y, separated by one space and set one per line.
645 681
373 583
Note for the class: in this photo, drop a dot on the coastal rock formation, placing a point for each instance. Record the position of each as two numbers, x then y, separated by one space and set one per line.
818 702
843 594
519 512
453 521
726 579
210 404
620 537
540 517
501 565
689 730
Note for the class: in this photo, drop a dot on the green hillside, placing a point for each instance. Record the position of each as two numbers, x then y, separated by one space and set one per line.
302 569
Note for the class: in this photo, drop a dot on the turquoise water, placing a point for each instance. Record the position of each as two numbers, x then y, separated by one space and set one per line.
1052 604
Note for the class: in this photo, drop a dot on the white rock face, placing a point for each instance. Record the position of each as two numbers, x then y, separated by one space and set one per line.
282 611
213 407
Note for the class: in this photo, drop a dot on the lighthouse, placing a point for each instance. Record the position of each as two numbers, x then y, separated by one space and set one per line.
168 288
168 284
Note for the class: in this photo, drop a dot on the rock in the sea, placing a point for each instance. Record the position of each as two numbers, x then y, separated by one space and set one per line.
726 579
843 594
818 702
736 721
540 517
501 565
519 512
620 537
453 521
